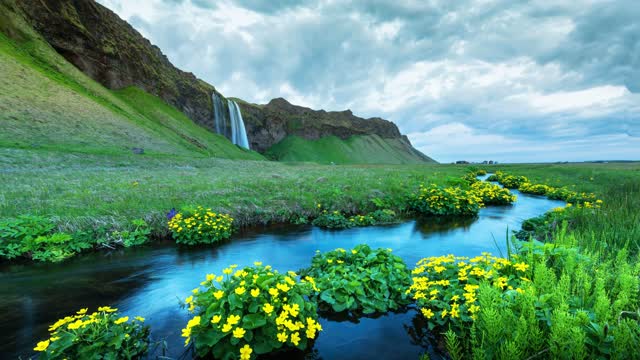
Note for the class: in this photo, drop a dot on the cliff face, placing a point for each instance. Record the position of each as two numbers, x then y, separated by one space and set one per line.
269 124
110 51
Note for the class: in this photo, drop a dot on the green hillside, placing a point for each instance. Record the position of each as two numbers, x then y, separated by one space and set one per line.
364 149
47 103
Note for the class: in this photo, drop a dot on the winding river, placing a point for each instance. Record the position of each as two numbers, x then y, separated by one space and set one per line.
148 281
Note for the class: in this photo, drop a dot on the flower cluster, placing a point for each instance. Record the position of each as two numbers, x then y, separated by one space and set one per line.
492 194
438 200
250 312
361 280
100 335
201 226
445 287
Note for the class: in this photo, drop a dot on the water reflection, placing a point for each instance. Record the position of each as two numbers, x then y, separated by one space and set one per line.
149 281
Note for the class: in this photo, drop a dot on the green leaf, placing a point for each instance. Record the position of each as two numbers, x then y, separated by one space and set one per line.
253 321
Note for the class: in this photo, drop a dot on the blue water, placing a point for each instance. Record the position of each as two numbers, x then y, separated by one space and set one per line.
149 281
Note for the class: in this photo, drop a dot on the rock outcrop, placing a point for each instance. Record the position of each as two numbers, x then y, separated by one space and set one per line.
268 124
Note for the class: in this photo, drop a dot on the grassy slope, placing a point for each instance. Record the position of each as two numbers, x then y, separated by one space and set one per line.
366 149
47 103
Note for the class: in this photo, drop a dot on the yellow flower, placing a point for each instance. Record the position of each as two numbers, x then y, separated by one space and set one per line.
227 271
189 300
257 263
140 318
210 277
107 309
268 308
82 311
54 338
255 292
121 320
282 337
216 319
444 313
42 346
218 294
521 266
240 290
233 319
245 352
427 313
273 292
295 338
294 310
283 287
239 332
227 327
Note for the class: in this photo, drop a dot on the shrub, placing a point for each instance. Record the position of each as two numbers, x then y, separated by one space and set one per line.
200 226
101 335
437 200
332 220
384 216
254 311
446 287
336 220
34 237
137 235
492 194
361 280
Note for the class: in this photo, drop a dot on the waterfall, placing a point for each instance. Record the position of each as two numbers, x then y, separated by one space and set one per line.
231 124
239 133
218 115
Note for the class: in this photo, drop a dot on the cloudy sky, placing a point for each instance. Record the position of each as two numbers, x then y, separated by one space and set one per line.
509 80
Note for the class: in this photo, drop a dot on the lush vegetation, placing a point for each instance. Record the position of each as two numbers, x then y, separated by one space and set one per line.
199 226
251 311
35 238
359 281
103 334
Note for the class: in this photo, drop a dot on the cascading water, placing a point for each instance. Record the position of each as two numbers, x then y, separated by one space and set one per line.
239 133
231 124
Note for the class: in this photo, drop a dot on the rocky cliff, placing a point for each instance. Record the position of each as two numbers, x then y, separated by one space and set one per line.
112 52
